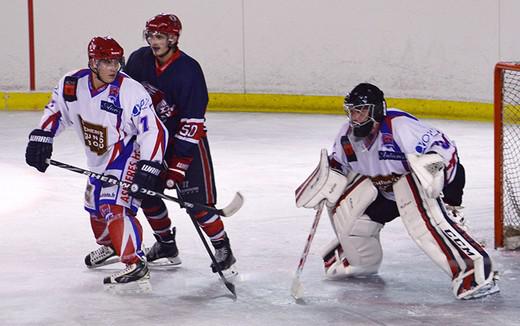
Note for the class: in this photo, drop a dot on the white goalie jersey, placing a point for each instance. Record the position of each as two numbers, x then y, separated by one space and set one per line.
383 159
110 121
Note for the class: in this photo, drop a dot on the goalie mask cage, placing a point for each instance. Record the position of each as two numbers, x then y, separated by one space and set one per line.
507 154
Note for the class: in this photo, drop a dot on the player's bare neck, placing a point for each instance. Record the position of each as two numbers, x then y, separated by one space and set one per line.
165 58
96 82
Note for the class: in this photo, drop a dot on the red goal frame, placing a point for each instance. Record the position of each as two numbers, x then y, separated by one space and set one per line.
500 67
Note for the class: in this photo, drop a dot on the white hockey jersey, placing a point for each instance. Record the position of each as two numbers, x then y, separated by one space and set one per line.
383 157
109 121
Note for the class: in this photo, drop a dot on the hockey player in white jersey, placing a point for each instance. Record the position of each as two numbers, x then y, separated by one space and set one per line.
122 137
386 163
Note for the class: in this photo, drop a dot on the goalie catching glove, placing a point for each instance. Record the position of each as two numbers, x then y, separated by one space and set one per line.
323 183
429 169
147 177
39 149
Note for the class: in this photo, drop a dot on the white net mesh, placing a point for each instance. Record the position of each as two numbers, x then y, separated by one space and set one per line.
511 152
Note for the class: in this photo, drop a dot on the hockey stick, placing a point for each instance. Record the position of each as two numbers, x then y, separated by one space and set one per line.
228 284
227 211
297 287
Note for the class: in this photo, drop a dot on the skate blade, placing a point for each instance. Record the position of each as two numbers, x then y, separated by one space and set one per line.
109 261
136 287
483 292
165 263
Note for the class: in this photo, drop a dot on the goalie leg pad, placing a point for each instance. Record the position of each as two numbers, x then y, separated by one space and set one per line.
358 250
448 245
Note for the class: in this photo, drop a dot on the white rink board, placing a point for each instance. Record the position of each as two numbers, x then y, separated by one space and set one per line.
413 49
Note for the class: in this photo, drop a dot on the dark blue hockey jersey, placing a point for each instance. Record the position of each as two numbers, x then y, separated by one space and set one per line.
179 94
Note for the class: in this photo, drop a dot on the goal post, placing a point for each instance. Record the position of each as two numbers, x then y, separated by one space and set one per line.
507 154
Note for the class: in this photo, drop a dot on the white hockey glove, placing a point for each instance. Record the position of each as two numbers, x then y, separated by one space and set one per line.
429 169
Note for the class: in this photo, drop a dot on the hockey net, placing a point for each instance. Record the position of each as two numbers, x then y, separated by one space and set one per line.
507 154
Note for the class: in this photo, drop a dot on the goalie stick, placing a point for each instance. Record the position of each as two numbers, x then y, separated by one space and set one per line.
228 284
297 286
235 204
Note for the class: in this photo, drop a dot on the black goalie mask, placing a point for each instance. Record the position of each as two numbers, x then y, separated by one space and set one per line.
365 104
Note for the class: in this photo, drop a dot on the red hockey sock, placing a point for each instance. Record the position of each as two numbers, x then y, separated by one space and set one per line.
100 229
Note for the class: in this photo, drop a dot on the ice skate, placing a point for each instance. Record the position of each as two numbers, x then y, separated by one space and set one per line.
164 252
104 255
135 278
224 257
488 288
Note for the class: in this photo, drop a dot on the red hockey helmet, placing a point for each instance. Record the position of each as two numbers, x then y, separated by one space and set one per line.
164 23
104 48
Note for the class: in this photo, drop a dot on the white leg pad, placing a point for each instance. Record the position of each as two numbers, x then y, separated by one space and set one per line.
449 246
360 251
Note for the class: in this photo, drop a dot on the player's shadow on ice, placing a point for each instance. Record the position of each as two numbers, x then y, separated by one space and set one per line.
365 283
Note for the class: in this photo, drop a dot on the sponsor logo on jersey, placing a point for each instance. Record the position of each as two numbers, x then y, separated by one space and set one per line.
110 107
392 156
425 140
385 182
108 195
131 168
95 136
141 105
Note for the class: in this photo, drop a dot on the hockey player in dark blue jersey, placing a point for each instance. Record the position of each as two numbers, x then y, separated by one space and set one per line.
176 84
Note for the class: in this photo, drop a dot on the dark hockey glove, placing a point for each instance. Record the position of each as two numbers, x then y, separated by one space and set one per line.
177 171
147 176
39 149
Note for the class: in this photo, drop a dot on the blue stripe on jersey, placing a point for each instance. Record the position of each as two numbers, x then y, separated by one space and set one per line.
395 113
120 162
386 128
81 73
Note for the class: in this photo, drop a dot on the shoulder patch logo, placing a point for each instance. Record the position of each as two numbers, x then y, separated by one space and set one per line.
113 94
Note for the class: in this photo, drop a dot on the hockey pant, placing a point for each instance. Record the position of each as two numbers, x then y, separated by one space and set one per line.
357 250
450 247
113 211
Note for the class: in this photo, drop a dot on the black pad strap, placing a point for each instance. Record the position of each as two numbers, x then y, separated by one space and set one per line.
70 86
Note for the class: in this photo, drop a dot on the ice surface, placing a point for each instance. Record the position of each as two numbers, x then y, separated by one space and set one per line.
45 234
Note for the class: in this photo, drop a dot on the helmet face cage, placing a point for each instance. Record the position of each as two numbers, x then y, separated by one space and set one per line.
361 109
366 98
